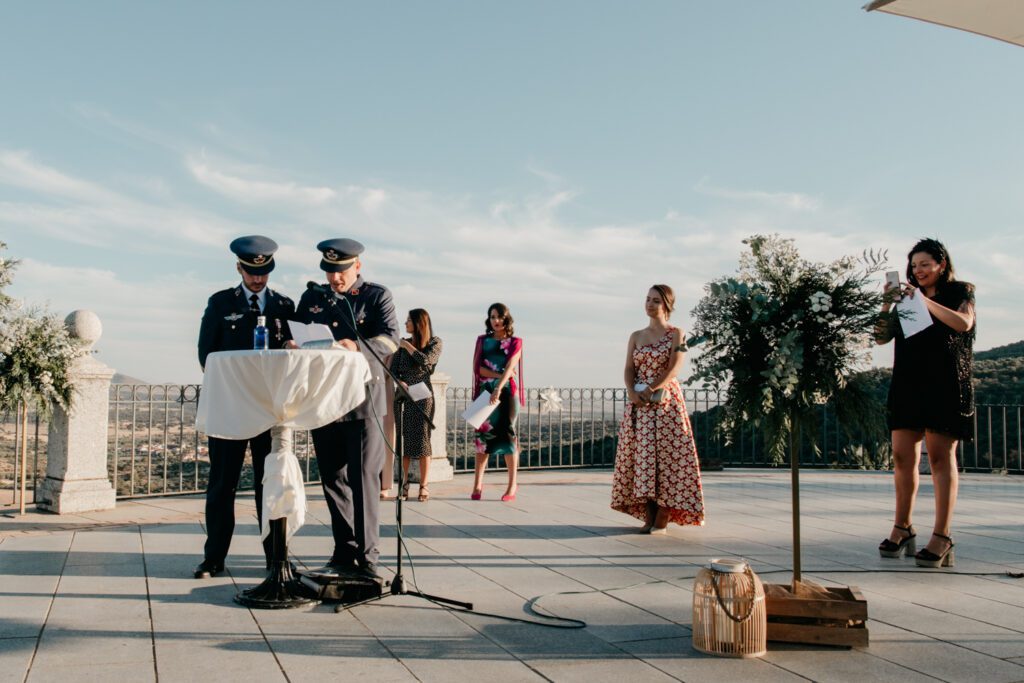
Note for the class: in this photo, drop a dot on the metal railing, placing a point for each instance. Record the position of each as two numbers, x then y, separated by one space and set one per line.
10 465
154 448
582 434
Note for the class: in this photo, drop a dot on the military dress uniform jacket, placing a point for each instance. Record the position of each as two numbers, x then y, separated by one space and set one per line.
374 313
228 323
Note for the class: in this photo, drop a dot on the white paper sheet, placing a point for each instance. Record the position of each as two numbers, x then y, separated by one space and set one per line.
420 391
317 333
914 315
478 411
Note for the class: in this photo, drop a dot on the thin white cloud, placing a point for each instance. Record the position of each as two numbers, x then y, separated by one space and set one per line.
19 169
795 201
550 177
254 191
373 200
84 212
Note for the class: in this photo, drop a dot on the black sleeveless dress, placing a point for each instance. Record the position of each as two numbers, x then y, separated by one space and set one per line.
932 373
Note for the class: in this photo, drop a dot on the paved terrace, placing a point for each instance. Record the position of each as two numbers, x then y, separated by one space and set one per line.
109 596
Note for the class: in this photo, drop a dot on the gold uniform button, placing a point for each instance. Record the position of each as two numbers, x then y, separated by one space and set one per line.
232 327
335 323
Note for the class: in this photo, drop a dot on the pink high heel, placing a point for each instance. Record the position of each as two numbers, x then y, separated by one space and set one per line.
508 497
476 495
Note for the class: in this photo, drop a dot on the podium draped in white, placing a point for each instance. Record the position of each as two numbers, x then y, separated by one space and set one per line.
245 393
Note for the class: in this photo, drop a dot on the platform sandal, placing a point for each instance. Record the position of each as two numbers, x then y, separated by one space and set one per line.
926 558
907 546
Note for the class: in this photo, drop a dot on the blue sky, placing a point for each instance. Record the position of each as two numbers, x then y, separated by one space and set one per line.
559 157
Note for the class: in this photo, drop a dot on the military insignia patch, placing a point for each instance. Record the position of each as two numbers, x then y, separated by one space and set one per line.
233 317
259 259
331 255
315 309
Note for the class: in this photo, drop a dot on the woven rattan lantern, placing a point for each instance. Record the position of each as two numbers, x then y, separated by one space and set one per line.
729 618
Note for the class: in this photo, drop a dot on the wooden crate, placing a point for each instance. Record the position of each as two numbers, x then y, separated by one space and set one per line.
822 616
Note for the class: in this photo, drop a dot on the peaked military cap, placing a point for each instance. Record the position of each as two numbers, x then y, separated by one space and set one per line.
339 254
255 253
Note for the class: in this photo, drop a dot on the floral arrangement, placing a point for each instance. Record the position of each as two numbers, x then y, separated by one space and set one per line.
7 267
786 335
36 353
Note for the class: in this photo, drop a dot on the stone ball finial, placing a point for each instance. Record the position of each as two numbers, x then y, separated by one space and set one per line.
84 325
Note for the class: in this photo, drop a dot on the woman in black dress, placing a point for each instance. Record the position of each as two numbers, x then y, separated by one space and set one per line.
414 362
931 397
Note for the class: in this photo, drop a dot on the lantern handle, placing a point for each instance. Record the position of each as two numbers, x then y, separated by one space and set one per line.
718 595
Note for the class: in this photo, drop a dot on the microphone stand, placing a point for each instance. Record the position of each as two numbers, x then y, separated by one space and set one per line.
398 582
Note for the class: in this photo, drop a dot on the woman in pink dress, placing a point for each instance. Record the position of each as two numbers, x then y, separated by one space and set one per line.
657 476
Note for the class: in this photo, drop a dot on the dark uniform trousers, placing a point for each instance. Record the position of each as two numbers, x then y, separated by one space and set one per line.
226 459
350 453
227 325
350 456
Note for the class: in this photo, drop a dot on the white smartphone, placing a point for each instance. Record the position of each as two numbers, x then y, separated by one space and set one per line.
892 279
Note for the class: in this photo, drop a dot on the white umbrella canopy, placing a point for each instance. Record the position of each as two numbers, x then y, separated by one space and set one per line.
999 19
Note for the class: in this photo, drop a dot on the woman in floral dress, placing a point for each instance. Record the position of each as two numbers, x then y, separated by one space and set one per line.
657 476
497 361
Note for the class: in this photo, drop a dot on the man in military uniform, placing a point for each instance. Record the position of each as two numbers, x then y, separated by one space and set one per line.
228 324
350 452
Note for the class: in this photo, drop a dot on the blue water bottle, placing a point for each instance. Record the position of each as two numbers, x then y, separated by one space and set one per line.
260 338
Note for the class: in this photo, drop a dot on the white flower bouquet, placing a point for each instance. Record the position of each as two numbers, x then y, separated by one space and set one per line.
36 353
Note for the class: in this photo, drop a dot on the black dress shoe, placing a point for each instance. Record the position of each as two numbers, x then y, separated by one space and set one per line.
335 567
208 569
345 563
369 570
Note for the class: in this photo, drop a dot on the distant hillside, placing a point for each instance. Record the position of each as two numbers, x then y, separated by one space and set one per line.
118 378
1014 350
1000 380
998 376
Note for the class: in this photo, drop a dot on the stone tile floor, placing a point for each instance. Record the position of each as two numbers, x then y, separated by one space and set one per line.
109 596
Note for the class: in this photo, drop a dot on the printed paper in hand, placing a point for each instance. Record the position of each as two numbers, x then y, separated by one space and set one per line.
420 391
914 315
478 411
316 335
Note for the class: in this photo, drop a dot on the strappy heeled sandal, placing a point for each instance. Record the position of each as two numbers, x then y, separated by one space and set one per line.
424 494
405 492
926 558
907 546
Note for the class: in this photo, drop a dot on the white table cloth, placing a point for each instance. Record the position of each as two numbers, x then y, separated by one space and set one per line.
245 393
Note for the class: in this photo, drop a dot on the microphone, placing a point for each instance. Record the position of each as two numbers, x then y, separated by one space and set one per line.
322 289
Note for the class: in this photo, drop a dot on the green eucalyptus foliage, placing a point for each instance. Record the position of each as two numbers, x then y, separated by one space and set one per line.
786 335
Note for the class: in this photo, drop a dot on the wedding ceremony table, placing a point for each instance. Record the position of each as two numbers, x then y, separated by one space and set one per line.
244 394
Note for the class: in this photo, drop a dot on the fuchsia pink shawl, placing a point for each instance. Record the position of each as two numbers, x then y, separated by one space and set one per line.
515 347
